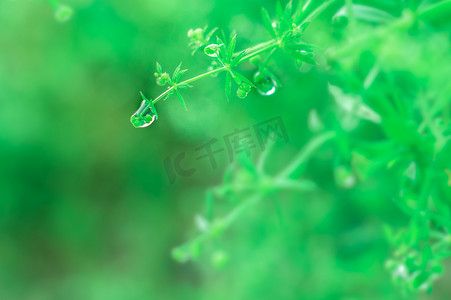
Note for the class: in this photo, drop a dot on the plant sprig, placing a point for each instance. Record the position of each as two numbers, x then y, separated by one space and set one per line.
416 127
286 33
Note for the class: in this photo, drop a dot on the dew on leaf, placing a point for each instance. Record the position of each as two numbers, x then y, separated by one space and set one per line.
145 115
212 50
266 84
63 13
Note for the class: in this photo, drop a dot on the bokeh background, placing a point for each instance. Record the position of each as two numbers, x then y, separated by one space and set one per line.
86 207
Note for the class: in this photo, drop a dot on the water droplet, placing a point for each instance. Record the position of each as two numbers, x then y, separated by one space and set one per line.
344 177
186 252
219 259
145 115
63 13
266 84
212 50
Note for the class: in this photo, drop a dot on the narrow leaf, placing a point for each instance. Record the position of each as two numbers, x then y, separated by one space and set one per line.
184 86
221 45
279 10
228 86
231 49
159 68
240 78
182 102
210 34
268 23
288 10
365 13
176 72
179 75
314 14
237 59
307 57
300 11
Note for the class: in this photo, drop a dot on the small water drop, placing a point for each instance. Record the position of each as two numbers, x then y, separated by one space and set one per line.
266 84
63 13
212 50
145 115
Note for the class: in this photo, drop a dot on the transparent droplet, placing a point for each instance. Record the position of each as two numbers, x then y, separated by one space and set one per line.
63 13
219 259
145 115
186 252
266 85
212 50
344 177
315 123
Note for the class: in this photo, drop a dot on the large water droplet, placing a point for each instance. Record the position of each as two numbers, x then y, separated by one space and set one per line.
145 115
265 83
63 13
212 50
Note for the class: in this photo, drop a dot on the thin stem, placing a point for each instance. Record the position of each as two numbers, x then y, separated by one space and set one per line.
350 12
273 44
404 22
188 81
435 9
314 14
365 40
268 57
263 47
305 153
259 46
54 3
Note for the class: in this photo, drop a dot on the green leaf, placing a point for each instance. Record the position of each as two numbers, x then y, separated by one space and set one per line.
366 13
209 204
240 79
290 46
184 86
303 27
437 12
210 34
221 46
268 23
300 10
427 254
231 49
159 68
279 9
314 14
306 57
288 10
176 72
237 59
228 86
179 75
182 102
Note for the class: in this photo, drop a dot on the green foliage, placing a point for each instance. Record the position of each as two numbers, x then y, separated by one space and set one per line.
287 33
362 211
404 107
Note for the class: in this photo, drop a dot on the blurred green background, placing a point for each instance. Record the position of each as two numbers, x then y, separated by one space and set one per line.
86 207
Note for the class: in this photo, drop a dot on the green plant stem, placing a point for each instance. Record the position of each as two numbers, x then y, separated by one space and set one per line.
54 3
403 23
188 81
261 48
268 46
434 10
305 153
350 12
221 224
365 40
268 185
